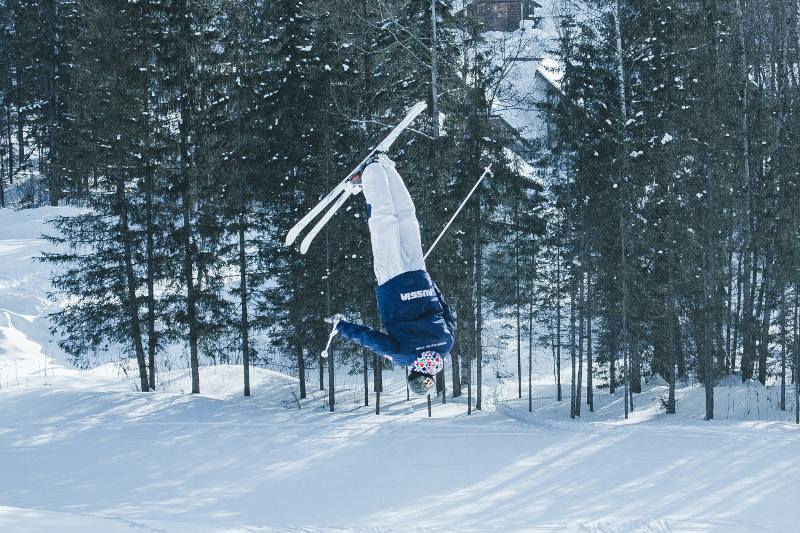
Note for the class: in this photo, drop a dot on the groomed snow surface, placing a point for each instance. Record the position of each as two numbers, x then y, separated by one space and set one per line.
82 451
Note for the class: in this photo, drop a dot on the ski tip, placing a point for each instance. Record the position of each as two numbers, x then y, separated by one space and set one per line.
290 238
418 107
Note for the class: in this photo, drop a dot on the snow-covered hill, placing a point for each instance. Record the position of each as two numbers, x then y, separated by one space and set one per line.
82 451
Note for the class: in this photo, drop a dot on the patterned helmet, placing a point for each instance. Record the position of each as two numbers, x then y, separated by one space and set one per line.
428 363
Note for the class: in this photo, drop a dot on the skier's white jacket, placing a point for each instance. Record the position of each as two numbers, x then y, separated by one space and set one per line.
415 316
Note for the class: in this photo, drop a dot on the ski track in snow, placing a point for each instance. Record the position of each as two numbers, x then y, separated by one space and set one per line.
81 451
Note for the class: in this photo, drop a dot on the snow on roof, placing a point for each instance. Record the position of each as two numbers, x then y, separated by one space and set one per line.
527 85
525 169
552 71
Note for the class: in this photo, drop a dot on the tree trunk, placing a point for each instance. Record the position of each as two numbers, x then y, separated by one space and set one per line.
2 182
728 315
478 305
558 322
434 96
20 135
796 328
612 367
321 372
456 373
441 385
469 385
243 208
365 362
152 340
636 363
244 324
623 101
188 262
18 103
331 359
53 182
376 377
748 345
184 128
671 344
301 370
783 348
296 340
517 302
331 382
623 105
581 307
130 286
572 384
708 362
589 361
530 353
9 145
735 343
768 285
624 339
517 306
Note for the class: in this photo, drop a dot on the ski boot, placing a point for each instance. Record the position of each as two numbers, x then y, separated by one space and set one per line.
377 157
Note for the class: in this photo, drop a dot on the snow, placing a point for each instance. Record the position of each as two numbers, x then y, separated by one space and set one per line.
24 350
553 71
82 451
524 168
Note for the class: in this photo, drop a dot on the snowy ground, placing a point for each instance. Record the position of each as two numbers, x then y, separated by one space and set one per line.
81 451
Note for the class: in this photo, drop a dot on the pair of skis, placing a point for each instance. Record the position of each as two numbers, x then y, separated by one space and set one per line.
345 189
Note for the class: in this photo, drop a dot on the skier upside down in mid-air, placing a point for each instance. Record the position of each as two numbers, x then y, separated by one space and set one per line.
418 321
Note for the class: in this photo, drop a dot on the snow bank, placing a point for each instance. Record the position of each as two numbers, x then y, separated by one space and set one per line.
27 352
734 402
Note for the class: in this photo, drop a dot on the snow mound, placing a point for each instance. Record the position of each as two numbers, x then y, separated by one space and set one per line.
227 381
731 380
657 381
734 402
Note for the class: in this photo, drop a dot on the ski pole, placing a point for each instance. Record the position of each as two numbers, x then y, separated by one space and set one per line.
324 353
487 170
334 320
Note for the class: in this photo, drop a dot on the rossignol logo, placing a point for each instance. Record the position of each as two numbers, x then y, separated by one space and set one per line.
413 295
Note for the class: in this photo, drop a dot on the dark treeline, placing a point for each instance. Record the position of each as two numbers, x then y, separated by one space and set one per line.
198 132
661 238
678 189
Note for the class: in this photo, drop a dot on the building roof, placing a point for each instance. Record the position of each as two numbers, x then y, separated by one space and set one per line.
552 71
530 2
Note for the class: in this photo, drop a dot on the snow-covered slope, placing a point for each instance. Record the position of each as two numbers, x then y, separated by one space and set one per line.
84 452
236 464
26 353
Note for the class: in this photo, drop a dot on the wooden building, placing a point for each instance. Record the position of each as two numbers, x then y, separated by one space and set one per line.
498 15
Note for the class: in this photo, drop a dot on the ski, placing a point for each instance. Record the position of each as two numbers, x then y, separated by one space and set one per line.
339 195
350 190
311 215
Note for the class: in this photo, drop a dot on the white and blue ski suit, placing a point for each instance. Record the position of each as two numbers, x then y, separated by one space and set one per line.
412 310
